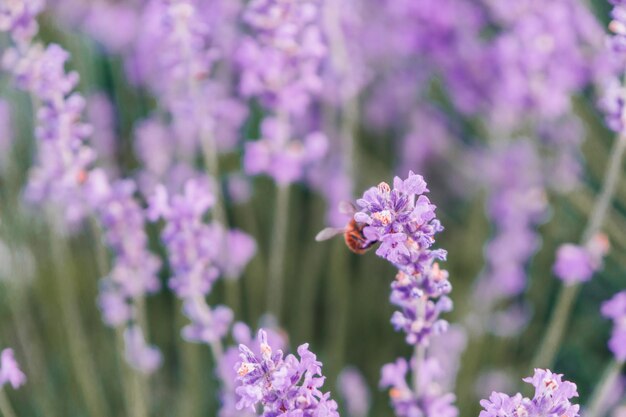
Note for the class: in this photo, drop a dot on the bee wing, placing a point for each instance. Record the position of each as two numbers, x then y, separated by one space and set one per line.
328 233
346 207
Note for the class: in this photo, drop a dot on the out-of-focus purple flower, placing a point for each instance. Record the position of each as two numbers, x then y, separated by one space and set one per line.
612 104
430 400
63 158
447 349
283 385
615 309
181 74
138 353
207 325
135 269
282 158
552 397
101 115
556 62
102 16
281 62
427 140
10 371
239 248
618 27
238 188
575 263
198 254
516 205
18 17
189 241
491 380
356 395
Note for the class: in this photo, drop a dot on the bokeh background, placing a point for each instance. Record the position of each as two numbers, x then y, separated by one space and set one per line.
335 300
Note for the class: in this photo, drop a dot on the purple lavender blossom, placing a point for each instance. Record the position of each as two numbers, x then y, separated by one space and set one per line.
517 204
18 17
403 220
62 158
10 371
283 159
615 309
199 254
282 385
355 393
101 115
612 104
207 325
280 64
552 397
138 353
227 367
576 263
430 400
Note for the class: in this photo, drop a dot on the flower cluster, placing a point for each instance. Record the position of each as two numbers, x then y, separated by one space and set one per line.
285 160
282 385
356 395
517 205
615 309
425 399
198 254
18 17
10 371
281 63
63 157
575 263
227 367
403 220
134 271
552 398
618 26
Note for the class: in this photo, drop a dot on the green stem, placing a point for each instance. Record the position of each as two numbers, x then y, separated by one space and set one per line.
135 394
568 293
5 406
598 398
277 252
82 363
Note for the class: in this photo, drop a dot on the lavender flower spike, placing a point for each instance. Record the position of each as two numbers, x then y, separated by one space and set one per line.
403 220
615 309
282 385
10 371
552 398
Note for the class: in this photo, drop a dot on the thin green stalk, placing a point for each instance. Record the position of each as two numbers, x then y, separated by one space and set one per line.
603 388
568 293
5 406
277 252
135 395
82 364
132 384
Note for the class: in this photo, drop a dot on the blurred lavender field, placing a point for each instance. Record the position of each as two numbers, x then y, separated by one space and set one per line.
166 167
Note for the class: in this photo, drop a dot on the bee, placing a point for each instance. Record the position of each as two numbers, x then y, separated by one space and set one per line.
352 233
